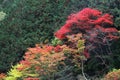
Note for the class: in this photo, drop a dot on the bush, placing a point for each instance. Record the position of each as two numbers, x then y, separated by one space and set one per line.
113 75
44 61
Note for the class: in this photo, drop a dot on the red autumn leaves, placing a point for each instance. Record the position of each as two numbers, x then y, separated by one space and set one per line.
93 24
86 20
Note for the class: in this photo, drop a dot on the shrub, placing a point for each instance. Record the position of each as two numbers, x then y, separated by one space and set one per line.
113 75
37 62
45 62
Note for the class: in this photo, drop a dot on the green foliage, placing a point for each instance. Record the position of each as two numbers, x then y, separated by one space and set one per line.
116 54
29 22
56 41
2 15
81 45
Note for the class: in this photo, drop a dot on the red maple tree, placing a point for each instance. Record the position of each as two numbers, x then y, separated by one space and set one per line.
95 26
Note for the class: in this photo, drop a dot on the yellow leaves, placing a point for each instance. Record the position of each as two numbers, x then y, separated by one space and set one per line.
14 73
81 49
80 43
77 44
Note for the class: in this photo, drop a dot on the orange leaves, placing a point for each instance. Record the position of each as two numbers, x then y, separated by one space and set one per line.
2 76
35 50
42 59
49 48
114 75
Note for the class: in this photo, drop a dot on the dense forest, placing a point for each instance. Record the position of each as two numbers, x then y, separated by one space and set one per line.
59 39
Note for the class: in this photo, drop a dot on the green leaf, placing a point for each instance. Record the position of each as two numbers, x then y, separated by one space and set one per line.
2 15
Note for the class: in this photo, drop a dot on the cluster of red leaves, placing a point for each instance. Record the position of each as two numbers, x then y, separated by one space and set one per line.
86 20
93 24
